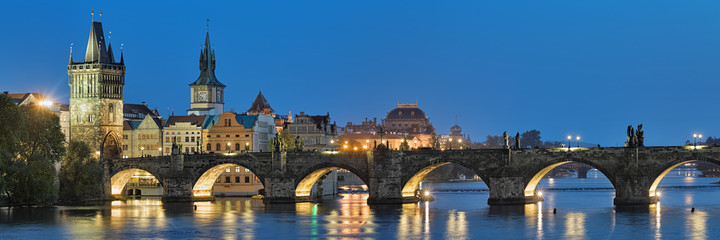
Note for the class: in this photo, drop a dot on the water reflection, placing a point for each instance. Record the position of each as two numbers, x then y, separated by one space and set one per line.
696 225
575 225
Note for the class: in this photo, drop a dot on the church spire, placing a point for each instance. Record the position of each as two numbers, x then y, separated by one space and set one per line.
207 63
95 51
122 61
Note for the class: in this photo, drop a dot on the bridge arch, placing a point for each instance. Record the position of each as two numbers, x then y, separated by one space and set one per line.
410 185
203 184
303 188
539 173
119 180
672 165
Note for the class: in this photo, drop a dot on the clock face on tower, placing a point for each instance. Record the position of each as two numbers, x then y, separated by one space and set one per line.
202 96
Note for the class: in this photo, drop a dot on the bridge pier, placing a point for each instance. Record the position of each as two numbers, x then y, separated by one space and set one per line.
280 189
509 191
177 189
386 190
633 190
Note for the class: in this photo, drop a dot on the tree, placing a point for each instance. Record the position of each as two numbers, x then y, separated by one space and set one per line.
434 143
80 174
31 148
531 138
288 141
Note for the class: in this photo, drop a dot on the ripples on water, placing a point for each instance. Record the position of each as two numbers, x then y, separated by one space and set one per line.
587 214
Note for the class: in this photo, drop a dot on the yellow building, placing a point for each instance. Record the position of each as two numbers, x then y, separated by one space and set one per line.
237 181
142 137
186 131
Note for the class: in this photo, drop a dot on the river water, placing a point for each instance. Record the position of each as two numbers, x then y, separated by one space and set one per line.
584 211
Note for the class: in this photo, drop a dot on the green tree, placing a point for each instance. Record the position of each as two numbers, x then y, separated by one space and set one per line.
287 138
80 174
531 138
31 146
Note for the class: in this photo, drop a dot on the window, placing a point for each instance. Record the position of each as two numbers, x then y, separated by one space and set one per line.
237 147
247 135
192 139
91 118
247 170
227 170
192 149
187 139
227 135
208 147
217 147
167 139
187 149
237 179
237 135
227 179
237 169
125 136
124 147
111 111
247 179
218 180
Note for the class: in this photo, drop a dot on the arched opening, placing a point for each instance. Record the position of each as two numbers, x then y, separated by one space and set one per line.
566 175
444 176
135 182
690 173
227 180
328 181
111 146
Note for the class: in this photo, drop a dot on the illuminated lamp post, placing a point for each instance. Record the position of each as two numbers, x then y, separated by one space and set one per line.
228 147
695 140
460 141
569 137
578 141
160 150
142 151
449 143
247 147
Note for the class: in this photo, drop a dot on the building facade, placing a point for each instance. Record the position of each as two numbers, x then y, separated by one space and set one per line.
230 132
96 95
142 137
207 93
316 132
186 131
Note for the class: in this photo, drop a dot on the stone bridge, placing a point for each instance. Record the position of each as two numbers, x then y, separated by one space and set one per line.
393 176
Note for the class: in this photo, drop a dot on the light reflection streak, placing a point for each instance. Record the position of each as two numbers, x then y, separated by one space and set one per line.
575 225
696 225
658 232
456 225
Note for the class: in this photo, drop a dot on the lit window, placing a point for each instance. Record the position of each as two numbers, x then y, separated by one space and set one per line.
227 170
247 170
237 169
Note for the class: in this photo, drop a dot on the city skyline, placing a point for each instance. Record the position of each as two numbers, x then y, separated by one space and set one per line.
305 72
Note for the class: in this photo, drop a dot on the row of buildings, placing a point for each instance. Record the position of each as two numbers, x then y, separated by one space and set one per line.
98 115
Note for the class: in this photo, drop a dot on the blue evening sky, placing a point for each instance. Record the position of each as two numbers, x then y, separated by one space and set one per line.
562 67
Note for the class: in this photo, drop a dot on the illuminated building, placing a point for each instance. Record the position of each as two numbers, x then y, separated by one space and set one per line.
96 95
316 131
206 93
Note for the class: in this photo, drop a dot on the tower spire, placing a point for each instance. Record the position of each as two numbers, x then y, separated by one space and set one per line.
92 15
100 15
71 46
111 57
122 61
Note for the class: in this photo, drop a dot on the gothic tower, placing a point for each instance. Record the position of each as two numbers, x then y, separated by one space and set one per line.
96 96
206 93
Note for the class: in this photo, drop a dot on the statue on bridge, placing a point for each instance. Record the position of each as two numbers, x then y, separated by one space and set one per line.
640 136
507 140
635 138
517 140
630 137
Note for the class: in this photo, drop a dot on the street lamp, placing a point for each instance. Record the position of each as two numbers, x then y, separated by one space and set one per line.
228 147
695 140
247 147
449 143
569 137
142 151
160 150
578 141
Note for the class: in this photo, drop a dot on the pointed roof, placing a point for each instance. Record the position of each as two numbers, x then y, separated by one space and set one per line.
260 104
207 65
111 58
95 51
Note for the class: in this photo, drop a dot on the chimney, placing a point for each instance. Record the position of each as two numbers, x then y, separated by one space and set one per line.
144 103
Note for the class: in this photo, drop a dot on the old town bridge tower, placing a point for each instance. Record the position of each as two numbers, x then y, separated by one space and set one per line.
96 95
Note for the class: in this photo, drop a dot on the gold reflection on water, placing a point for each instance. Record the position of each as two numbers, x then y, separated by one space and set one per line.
696 225
236 216
456 225
575 225
411 221
138 214
655 208
353 217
